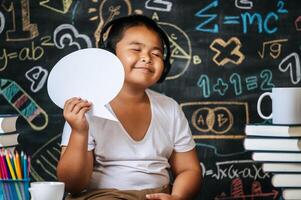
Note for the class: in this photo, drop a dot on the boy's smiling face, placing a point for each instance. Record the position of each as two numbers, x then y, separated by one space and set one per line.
141 53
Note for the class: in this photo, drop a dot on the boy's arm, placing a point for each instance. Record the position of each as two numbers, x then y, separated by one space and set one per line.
75 165
187 171
188 174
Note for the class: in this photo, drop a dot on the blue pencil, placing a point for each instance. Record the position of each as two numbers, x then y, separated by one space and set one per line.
25 167
22 163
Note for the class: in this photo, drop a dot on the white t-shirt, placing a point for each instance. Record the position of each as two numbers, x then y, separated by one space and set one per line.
126 164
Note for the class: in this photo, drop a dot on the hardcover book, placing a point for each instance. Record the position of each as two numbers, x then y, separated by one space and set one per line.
272 144
273 130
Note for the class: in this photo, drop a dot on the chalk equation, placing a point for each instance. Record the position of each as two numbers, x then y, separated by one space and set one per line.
244 19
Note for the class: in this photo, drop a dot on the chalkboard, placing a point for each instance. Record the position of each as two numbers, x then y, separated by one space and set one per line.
224 55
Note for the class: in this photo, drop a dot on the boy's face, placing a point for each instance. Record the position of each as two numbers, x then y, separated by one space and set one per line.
140 51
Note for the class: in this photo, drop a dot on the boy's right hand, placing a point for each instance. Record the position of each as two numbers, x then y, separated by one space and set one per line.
74 113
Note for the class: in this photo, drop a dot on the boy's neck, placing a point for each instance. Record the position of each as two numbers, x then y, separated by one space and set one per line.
131 95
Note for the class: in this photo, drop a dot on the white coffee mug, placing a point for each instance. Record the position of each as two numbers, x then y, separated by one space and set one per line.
286 105
47 190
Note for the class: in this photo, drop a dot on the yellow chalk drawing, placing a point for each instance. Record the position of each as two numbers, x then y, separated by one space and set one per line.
205 122
113 10
196 60
215 120
235 51
275 48
34 52
178 53
24 30
46 41
65 5
46 157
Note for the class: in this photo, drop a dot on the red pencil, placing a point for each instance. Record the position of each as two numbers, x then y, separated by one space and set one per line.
3 165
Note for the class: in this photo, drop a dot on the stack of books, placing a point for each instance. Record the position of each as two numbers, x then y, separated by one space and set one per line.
8 132
278 148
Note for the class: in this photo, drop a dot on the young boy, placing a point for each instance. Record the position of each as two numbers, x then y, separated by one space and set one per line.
129 159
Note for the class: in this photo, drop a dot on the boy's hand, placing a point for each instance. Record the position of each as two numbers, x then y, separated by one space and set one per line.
74 113
162 196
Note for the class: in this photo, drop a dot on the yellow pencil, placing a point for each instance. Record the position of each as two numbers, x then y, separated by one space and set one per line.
18 166
12 173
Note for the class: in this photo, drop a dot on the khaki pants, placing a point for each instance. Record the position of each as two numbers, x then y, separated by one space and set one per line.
114 194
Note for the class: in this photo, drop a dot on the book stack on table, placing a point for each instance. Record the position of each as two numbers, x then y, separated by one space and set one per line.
278 148
8 132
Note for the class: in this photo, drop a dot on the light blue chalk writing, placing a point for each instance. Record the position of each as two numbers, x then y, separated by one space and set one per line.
251 18
248 18
204 84
265 23
281 9
231 20
251 82
221 87
267 77
208 18
235 80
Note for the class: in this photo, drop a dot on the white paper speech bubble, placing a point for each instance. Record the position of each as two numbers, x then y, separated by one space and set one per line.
93 74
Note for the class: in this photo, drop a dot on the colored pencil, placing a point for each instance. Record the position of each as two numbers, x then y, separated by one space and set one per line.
22 163
4 176
17 165
3 168
12 173
18 172
28 166
25 166
3 164
9 192
10 168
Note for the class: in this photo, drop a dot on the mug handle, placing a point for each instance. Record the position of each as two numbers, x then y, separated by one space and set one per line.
259 105
31 191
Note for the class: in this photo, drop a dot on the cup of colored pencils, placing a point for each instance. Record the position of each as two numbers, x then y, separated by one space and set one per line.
14 172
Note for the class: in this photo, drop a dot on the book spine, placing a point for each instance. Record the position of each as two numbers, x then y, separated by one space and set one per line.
291 194
281 167
263 144
286 180
276 157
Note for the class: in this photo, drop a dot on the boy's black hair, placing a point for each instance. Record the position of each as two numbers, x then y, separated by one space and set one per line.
118 26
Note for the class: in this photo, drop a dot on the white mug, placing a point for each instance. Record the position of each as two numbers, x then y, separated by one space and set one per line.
47 190
286 105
